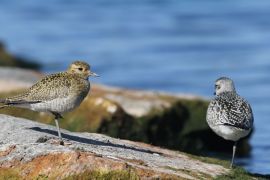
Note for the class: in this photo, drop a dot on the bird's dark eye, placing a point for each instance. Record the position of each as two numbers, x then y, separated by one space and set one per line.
217 86
80 69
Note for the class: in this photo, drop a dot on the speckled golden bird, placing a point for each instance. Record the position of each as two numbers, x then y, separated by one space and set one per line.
56 93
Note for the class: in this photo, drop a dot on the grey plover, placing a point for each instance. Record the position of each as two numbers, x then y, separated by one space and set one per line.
229 115
56 93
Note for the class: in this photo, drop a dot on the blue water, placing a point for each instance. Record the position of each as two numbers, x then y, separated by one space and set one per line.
168 45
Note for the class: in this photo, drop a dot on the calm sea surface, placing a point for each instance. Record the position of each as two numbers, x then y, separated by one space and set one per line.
172 45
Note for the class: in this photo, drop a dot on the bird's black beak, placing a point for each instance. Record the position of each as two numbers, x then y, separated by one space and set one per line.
215 93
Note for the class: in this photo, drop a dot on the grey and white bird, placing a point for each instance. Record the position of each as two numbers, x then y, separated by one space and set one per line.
56 93
229 115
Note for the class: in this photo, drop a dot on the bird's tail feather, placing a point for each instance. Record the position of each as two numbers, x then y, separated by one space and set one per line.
21 102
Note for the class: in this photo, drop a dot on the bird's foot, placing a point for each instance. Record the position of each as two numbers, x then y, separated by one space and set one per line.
62 142
57 142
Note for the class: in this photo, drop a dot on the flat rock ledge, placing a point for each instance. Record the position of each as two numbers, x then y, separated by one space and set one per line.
33 150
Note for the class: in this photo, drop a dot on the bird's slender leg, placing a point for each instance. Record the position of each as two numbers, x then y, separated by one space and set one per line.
234 149
56 117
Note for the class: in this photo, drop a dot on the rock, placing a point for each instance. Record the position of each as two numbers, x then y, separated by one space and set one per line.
167 120
30 150
139 103
6 59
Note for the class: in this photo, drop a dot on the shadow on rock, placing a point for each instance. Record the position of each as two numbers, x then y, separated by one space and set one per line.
91 141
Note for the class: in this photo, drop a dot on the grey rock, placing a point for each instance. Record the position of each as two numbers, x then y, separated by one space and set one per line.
32 139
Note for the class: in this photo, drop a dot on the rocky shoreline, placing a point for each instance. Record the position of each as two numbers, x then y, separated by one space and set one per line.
162 119
32 151
173 121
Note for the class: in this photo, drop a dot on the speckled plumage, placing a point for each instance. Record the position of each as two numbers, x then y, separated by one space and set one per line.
230 109
68 85
56 93
53 93
229 115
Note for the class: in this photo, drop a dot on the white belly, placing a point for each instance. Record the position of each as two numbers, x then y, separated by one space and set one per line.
229 132
57 105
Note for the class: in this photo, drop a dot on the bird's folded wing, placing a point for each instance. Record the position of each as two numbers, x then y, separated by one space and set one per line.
49 88
239 117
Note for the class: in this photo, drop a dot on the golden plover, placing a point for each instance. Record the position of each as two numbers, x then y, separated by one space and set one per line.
229 115
56 93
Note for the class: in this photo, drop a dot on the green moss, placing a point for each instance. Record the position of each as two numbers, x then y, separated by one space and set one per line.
238 173
193 174
164 129
10 174
197 109
122 125
129 174
42 177
209 160
105 175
